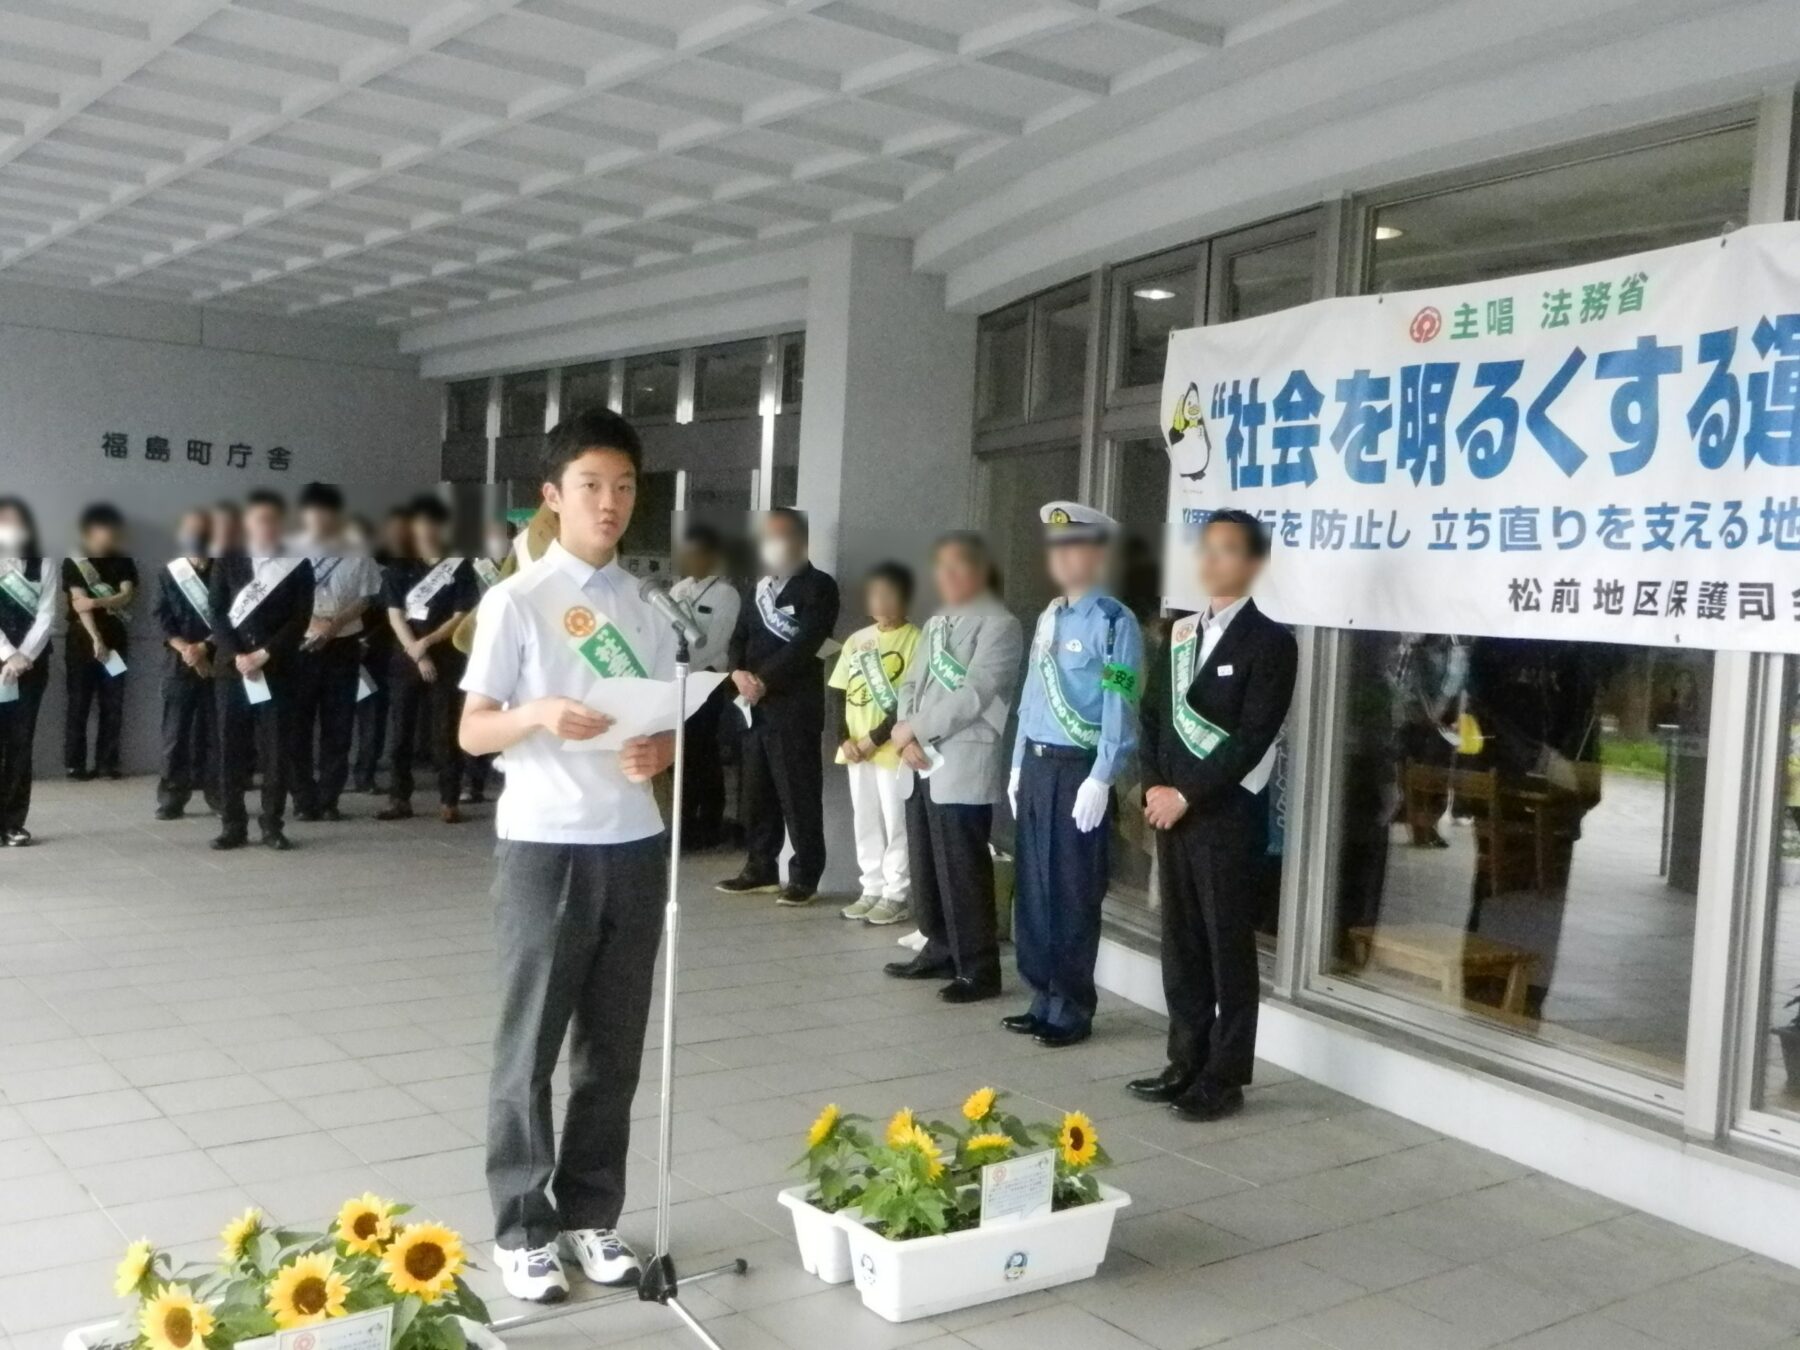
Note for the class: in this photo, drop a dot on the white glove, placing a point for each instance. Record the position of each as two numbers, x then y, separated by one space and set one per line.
1090 804
1012 793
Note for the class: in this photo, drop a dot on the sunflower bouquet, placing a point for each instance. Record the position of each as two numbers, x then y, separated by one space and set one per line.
270 1279
923 1178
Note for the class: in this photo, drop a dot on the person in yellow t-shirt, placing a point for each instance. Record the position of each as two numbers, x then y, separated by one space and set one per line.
865 688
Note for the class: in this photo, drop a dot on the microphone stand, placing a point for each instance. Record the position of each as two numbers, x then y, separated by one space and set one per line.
659 1283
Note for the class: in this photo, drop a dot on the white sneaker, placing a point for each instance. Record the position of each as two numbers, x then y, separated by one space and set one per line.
604 1257
888 911
861 908
532 1274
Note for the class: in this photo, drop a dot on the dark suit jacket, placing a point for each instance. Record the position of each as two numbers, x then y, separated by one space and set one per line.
277 624
791 671
1249 704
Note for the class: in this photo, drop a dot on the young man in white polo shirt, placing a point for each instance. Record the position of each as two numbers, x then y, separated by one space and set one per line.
579 896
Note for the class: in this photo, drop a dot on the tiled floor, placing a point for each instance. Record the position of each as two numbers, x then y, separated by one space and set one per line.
183 1035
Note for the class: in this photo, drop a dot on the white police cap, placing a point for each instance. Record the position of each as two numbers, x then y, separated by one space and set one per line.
1075 523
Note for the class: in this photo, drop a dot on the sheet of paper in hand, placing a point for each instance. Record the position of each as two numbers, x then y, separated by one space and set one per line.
641 707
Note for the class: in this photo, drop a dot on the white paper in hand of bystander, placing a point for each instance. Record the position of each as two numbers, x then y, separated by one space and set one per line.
933 754
641 707
256 690
114 664
9 691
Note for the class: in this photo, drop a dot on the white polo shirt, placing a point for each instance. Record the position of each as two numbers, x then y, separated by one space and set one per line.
715 603
342 579
523 652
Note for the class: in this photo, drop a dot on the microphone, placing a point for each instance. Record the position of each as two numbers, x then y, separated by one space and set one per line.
656 595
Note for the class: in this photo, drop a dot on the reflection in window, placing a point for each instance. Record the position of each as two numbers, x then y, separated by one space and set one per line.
652 384
728 379
1264 280
1154 307
466 411
1059 359
1000 365
1519 826
793 370
1642 199
586 387
1775 1059
522 402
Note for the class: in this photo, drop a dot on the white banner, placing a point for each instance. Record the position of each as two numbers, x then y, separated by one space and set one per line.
1608 452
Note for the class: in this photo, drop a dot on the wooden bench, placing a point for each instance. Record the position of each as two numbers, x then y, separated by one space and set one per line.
1448 957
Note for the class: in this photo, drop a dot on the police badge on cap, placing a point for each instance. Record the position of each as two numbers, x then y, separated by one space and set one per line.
1073 523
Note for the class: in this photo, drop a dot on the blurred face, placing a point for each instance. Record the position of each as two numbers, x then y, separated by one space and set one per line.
427 537
262 528
396 538
886 604
1228 567
697 561
191 533
321 522
100 538
1077 567
780 546
959 578
497 544
13 533
593 501
225 532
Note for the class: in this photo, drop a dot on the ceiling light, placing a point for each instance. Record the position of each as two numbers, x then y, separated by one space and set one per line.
1383 233
1153 293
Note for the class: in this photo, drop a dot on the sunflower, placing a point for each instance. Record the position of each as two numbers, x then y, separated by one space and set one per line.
235 1238
130 1272
900 1127
920 1138
307 1290
980 1104
365 1224
993 1139
174 1319
424 1260
1077 1140
823 1128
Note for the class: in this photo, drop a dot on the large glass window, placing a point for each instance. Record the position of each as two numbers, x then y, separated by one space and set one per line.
1581 212
466 409
1062 320
1264 280
728 379
522 401
1017 485
583 387
793 370
652 386
1519 832
1774 1059
1000 365
1152 305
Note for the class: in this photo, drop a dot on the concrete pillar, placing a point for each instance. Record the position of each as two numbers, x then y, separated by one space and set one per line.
886 427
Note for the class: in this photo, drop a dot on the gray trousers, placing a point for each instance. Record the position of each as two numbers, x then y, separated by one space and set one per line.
576 930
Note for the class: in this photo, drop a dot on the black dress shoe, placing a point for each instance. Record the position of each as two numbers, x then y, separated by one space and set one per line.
916 969
276 840
1205 1101
1056 1038
794 896
1164 1087
168 813
395 811
229 840
309 816
81 775
964 990
745 884
330 813
1022 1024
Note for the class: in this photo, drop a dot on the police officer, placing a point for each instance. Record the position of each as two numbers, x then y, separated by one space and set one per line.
1077 724
184 618
778 676
262 601
1211 714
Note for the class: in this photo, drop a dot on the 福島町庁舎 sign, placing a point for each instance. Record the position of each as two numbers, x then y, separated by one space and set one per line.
1609 452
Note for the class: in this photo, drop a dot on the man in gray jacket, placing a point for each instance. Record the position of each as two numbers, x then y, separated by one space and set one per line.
954 701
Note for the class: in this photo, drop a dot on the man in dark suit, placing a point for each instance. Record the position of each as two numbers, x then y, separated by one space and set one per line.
262 602
1211 714
776 669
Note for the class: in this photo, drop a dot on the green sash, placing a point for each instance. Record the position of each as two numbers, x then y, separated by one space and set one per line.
608 654
1077 728
1199 735
17 587
867 661
485 572
188 580
944 667
90 578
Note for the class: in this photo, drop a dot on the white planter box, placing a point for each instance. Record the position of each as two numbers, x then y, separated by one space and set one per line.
927 1276
111 1335
824 1245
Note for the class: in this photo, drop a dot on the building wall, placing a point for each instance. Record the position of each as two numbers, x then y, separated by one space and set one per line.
74 368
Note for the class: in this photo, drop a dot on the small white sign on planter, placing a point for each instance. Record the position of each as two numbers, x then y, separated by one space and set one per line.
361 1331
1017 1189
